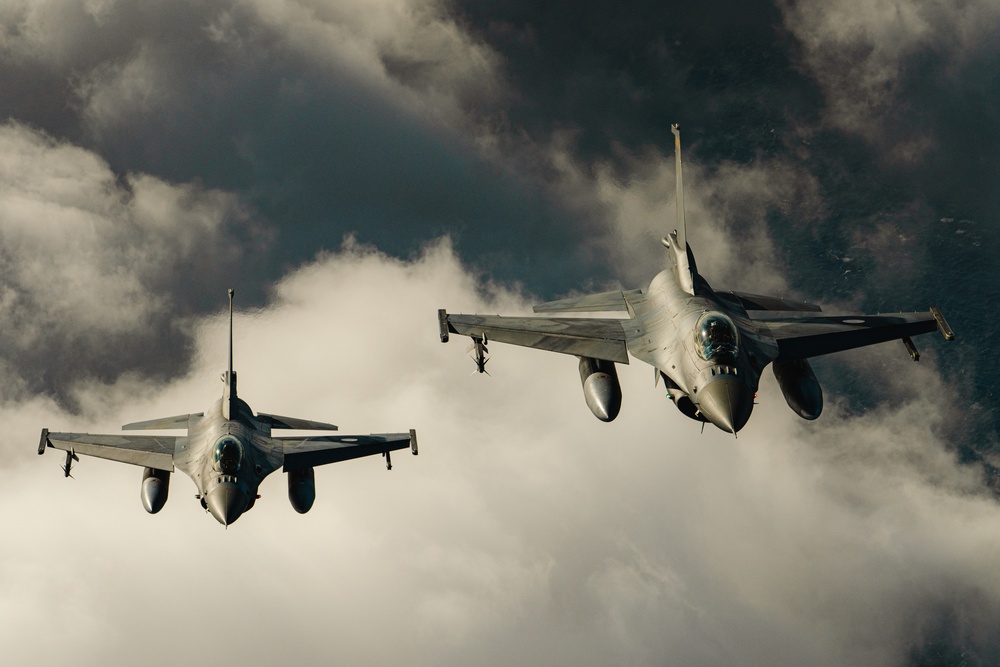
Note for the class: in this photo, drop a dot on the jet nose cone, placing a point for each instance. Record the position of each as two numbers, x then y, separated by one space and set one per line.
727 403
226 502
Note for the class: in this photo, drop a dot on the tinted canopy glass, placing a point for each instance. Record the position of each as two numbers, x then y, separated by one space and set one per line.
718 340
228 455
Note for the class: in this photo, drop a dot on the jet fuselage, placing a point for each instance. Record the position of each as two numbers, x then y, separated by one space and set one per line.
705 345
227 451
227 459
705 350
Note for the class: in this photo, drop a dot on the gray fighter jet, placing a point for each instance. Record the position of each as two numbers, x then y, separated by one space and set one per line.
709 347
227 451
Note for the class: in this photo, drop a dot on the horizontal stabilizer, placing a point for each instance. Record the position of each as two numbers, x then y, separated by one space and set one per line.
761 302
166 423
604 302
277 421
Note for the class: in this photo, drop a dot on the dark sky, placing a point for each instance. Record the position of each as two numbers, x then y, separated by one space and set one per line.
155 153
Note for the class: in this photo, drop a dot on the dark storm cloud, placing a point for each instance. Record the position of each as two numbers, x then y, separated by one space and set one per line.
327 118
901 132
376 118
92 266
622 73
911 87
516 129
317 120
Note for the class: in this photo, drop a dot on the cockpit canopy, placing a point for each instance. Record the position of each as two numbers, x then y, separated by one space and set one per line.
228 455
717 337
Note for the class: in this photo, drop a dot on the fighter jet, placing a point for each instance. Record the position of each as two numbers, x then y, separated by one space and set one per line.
709 347
227 452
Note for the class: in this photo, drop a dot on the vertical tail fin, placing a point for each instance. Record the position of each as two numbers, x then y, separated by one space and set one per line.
677 240
681 225
229 393
232 293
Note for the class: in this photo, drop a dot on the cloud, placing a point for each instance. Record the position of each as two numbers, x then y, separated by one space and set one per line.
92 263
867 59
525 531
372 119
410 55
187 148
728 211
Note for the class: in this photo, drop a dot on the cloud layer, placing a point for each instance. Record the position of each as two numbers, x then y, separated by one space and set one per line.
474 155
866 58
92 265
525 530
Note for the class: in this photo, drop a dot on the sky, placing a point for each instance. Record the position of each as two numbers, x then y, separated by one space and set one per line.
350 167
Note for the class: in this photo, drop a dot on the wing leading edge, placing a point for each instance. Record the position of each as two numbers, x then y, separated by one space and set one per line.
605 302
164 423
279 422
150 451
584 337
319 450
802 335
758 302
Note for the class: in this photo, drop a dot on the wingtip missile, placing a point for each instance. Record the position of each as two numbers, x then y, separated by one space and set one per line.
942 323
479 350
68 466
443 324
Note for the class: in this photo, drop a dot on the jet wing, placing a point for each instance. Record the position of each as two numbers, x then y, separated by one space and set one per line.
755 302
279 422
165 423
322 449
603 302
802 335
151 451
580 336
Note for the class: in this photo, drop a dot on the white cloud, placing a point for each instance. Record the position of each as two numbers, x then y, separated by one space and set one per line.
860 53
636 213
526 531
88 261
410 55
414 39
